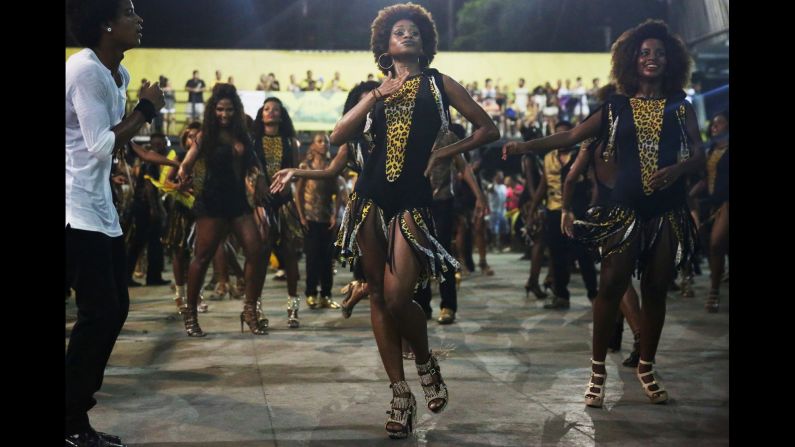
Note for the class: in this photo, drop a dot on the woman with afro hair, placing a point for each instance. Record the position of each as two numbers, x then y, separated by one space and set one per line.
651 133
387 229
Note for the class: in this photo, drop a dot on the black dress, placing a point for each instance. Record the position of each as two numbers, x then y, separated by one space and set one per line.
641 136
219 182
402 131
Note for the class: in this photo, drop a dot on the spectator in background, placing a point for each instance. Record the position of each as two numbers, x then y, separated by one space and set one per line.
521 99
593 94
273 83
293 87
565 101
335 84
512 192
538 102
195 88
488 92
263 83
488 100
310 84
167 115
497 194
218 79
581 108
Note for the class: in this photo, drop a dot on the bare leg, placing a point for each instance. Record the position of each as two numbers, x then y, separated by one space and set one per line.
654 282
221 270
255 268
536 258
615 277
209 233
479 230
718 247
387 335
630 308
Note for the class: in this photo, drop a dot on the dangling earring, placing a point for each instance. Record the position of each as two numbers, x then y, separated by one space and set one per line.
391 62
108 28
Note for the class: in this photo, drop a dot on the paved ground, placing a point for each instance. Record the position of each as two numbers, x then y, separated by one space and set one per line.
516 375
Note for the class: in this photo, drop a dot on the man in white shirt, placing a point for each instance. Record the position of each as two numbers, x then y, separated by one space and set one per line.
521 99
96 85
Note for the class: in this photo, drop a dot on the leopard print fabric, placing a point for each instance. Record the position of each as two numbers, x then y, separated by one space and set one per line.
648 117
199 174
712 167
399 108
272 147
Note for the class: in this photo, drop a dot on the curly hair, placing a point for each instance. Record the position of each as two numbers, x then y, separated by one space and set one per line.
84 19
606 92
210 127
381 29
626 50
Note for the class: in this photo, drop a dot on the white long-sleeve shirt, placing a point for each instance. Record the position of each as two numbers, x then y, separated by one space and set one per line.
94 104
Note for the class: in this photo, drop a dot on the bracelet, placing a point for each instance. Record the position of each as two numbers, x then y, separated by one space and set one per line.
146 107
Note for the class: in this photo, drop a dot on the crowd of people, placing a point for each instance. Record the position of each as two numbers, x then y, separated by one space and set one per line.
616 176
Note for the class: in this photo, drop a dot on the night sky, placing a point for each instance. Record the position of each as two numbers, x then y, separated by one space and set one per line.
550 25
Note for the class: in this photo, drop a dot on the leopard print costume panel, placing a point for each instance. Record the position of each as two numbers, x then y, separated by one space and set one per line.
272 147
648 117
199 175
712 167
399 108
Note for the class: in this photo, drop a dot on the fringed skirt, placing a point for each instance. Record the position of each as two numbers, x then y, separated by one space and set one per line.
611 229
434 260
178 228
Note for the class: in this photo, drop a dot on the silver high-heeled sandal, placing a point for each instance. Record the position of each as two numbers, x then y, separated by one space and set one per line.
403 410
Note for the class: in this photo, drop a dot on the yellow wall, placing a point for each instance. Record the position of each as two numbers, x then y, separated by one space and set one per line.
247 65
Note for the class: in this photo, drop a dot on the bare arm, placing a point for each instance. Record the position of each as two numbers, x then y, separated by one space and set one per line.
485 130
698 160
186 167
299 200
337 165
578 168
481 204
588 129
698 189
594 186
666 177
529 174
349 124
469 176
128 128
338 197
152 156
339 183
295 145
541 191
